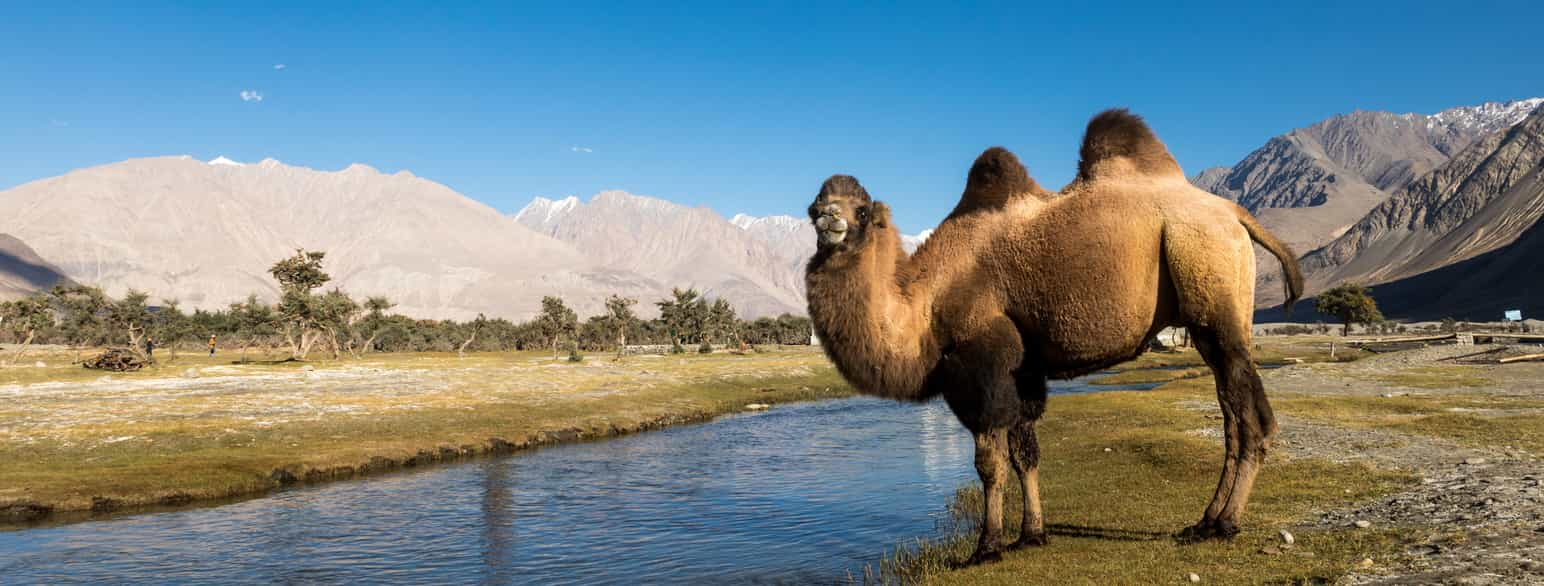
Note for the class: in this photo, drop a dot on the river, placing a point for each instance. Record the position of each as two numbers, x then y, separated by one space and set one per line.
803 493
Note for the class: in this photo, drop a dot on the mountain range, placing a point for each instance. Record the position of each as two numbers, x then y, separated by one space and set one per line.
205 233
1374 198
1408 203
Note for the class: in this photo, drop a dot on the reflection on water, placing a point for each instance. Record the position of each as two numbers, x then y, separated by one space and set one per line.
802 493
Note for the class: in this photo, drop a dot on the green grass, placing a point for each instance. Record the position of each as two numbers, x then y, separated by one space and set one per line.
1111 513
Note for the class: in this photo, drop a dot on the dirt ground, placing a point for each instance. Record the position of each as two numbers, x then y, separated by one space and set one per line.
1477 514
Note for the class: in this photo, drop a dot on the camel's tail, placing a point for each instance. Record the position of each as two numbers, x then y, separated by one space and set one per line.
1294 274
1118 142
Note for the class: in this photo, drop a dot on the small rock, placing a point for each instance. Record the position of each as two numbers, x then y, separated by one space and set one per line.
1286 537
1360 524
1193 577
1108 450
40 364
190 373
1366 563
1387 395
1474 461
757 407
308 368
1270 550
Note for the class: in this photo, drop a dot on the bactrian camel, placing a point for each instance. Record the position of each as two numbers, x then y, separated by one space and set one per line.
1019 285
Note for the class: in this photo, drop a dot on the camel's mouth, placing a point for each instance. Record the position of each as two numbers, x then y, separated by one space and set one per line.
831 226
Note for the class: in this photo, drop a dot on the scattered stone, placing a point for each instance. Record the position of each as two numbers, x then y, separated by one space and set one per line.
190 373
1193 577
1363 524
757 407
308 368
1474 461
40 364
1108 450
1270 550
283 477
1366 563
1286 537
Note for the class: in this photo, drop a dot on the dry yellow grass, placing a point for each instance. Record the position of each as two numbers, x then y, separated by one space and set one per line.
75 439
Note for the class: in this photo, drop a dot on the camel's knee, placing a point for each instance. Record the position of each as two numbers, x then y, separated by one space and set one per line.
1025 446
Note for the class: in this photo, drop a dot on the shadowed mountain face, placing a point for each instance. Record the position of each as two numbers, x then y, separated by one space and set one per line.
22 271
1480 288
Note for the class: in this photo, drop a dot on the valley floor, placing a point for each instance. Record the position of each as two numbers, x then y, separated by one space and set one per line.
77 442
1402 468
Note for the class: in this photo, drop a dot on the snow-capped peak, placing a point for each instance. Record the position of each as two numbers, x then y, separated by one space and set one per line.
542 210
221 160
748 222
1489 116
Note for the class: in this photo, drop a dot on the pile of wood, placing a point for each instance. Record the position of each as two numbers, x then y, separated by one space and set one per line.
116 360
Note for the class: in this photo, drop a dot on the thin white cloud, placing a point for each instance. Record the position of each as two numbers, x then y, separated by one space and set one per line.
58 123
580 149
251 96
278 66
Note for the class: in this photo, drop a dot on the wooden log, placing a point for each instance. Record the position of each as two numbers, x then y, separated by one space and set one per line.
1523 358
1397 340
1522 338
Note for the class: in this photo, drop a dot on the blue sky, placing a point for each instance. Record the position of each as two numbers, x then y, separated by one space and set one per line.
740 108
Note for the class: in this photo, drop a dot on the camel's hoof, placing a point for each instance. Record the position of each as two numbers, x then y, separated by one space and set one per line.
1207 531
1030 540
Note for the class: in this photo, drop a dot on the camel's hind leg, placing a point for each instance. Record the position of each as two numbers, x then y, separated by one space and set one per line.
1025 450
1211 265
1248 425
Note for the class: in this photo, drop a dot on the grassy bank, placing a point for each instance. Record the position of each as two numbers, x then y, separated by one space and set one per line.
78 440
1121 472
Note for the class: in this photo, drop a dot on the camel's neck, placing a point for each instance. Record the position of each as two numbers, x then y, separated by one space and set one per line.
880 338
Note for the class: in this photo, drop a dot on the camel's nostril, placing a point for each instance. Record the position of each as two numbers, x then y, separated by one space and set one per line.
823 223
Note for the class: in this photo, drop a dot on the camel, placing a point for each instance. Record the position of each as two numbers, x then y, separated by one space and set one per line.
1019 285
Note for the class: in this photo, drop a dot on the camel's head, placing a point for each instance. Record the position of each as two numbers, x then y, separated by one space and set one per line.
843 211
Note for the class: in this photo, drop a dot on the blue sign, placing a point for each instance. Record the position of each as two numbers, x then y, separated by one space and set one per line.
1514 315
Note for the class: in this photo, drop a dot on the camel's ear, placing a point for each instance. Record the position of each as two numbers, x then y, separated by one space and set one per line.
879 214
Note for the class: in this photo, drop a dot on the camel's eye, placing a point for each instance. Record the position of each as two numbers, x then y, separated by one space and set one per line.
863 215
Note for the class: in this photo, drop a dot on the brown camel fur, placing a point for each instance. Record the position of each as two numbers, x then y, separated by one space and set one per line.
1019 285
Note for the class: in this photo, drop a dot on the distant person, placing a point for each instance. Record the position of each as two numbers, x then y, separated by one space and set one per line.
211 344
150 349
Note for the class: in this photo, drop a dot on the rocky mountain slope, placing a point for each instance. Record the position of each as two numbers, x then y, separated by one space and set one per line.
1483 199
22 271
679 246
1311 185
206 233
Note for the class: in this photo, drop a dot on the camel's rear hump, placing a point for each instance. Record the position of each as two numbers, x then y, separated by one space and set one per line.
1118 144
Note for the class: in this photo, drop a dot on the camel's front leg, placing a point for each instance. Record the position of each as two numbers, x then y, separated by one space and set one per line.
992 465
